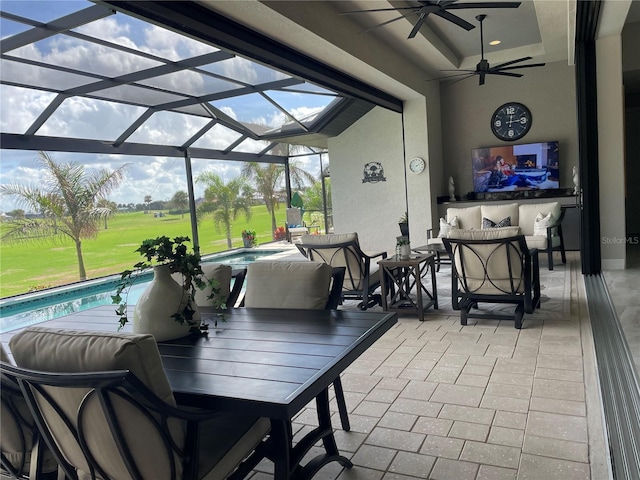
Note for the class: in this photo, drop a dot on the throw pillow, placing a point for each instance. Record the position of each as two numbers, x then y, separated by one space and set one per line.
488 223
445 227
541 223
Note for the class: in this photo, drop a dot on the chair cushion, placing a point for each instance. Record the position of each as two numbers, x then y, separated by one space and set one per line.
488 223
468 218
529 211
445 226
212 271
70 351
67 351
225 441
485 234
288 285
484 268
496 213
536 241
13 430
331 239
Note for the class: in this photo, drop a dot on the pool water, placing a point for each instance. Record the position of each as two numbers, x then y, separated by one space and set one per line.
35 309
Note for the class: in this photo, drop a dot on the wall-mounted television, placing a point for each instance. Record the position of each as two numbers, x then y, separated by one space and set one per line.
531 166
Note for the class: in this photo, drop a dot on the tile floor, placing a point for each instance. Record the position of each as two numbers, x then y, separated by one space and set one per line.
436 400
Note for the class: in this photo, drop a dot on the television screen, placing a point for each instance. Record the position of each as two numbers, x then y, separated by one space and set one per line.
532 166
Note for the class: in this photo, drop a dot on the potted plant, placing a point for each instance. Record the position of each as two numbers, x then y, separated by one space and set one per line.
403 247
249 238
403 223
166 308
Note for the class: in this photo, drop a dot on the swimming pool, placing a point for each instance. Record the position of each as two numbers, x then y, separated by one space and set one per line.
30 309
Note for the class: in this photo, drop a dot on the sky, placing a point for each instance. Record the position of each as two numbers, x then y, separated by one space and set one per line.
106 120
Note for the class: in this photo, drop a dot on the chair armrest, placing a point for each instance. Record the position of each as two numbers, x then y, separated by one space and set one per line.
335 294
375 255
430 233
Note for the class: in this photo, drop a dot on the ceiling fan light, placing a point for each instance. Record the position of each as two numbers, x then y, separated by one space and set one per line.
495 42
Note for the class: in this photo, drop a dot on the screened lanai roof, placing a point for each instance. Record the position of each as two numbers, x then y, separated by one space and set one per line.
79 76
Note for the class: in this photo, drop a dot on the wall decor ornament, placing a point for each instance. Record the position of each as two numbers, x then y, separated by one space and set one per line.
576 180
452 190
373 173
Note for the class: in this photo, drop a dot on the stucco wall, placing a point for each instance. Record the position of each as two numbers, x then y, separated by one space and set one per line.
548 91
371 209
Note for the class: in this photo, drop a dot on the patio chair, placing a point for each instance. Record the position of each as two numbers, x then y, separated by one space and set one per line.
105 408
489 267
222 274
305 285
343 250
22 454
295 226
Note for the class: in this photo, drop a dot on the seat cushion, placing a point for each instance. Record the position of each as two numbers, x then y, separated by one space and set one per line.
468 217
529 211
288 285
496 213
536 241
485 234
225 441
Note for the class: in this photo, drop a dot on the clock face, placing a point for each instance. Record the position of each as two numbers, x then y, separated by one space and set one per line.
511 121
416 165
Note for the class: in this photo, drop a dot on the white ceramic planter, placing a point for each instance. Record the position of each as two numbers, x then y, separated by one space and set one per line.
405 251
162 298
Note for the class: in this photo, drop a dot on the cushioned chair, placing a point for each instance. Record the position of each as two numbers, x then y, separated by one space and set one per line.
305 285
222 274
295 226
361 278
22 454
105 407
493 266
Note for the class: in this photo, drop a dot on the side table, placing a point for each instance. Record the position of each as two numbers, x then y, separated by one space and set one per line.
405 274
442 257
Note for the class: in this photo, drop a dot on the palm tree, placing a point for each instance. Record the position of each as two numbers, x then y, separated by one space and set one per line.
68 201
267 179
224 201
106 203
180 200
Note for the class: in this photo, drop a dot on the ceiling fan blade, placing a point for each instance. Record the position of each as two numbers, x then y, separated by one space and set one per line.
467 73
459 6
507 74
512 62
378 10
388 22
460 70
419 22
515 67
456 20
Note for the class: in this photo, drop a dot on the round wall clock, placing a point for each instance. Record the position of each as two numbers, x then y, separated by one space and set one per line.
416 165
511 121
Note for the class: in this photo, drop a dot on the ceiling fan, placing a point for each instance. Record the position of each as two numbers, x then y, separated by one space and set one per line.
483 68
437 7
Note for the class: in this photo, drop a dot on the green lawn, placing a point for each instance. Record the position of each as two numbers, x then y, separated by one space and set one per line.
24 266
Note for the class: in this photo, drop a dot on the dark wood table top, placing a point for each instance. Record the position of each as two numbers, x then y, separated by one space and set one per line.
267 362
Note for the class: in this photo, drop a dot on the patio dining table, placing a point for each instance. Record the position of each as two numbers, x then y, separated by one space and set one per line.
262 362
